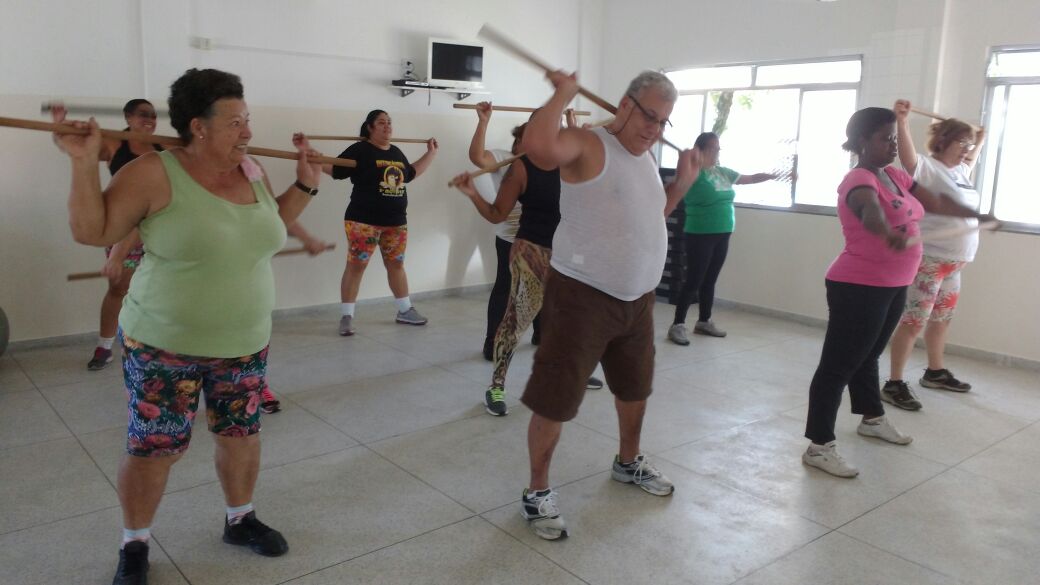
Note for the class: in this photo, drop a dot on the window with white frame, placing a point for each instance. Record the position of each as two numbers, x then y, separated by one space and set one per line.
772 117
1012 123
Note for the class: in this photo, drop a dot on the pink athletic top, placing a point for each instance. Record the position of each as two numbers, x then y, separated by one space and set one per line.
866 258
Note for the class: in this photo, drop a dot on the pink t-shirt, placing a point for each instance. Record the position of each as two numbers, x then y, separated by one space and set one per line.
866 258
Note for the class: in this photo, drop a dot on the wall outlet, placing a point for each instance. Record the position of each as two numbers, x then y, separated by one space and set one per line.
408 68
202 43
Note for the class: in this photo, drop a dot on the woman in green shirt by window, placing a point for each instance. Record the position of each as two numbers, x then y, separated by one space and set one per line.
709 223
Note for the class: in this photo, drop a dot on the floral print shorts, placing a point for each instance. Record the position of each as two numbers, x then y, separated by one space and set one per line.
934 292
363 239
163 390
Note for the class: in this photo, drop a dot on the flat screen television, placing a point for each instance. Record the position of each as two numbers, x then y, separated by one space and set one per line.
455 63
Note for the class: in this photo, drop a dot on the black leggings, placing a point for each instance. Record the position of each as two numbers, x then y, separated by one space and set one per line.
861 320
705 255
500 293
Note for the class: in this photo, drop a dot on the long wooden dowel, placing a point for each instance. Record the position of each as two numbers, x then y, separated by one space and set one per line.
487 32
363 139
158 139
285 252
495 108
940 117
95 109
491 169
952 233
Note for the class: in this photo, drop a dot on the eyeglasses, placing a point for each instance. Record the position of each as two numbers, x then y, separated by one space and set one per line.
966 144
666 123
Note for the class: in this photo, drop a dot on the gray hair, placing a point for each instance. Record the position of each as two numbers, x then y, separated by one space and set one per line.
653 79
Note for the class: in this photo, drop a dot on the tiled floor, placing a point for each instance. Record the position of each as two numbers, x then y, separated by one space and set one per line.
384 468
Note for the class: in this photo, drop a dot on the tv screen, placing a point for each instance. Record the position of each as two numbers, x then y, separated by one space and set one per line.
452 62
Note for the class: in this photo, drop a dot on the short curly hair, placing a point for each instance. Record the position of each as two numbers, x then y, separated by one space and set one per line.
942 134
194 93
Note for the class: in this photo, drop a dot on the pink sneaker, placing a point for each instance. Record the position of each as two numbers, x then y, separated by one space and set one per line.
268 402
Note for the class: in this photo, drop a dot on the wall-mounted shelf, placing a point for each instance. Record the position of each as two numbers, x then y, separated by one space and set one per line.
460 93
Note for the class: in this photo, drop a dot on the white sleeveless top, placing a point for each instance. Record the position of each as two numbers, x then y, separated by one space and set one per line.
612 233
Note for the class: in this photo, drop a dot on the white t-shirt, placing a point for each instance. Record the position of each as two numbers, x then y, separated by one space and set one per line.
488 185
938 178
612 233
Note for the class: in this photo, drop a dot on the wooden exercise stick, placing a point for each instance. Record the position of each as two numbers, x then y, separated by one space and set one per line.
491 169
940 117
96 109
490 34
363 139
952 233
495 108
164 140
285 252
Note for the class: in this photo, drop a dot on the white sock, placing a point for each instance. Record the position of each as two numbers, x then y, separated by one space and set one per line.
346 309
141 534
814 448
105 342
236 513
873 421
403 304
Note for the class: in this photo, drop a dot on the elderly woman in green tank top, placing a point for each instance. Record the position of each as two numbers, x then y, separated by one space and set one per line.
197 317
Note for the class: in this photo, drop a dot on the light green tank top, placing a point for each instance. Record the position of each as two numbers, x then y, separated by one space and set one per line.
205 287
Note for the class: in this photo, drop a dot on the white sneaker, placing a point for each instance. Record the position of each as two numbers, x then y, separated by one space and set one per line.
643 474
882 429
542 514
828 459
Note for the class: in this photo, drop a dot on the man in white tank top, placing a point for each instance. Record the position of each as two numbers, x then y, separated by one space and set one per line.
608 256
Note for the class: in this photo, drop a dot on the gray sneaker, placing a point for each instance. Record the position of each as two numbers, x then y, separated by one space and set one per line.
411 317
677 334
495 401
543 514
346 325
708 328
644 475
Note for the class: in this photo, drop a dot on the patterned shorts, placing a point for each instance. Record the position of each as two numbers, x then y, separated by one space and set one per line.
934 292
133 259
363 239
163 391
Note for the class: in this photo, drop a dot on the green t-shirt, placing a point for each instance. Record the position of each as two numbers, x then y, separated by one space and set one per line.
709 202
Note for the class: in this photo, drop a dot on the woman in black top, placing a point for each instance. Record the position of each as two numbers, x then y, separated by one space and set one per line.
538 192
377 214
124 257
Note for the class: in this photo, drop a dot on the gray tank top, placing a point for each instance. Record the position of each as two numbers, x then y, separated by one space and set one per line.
612 233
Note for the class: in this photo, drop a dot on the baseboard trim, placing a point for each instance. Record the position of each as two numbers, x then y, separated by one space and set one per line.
999 359
74 338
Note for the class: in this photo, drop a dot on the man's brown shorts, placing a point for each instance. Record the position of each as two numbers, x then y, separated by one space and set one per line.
582 326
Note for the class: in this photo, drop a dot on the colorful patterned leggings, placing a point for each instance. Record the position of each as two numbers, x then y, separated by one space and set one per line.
529 266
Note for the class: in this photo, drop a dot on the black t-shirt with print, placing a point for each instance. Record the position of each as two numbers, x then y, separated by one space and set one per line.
379 196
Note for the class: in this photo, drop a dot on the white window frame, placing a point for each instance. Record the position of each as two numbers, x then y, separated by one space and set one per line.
995 144
802 87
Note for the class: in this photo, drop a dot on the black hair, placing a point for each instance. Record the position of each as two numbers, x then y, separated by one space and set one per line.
130 106
863 124
194 93
704 138
370 119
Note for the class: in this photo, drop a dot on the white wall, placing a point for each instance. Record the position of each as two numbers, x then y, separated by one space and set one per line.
316 66
930 51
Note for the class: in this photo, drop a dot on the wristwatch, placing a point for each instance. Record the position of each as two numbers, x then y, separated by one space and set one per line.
306 189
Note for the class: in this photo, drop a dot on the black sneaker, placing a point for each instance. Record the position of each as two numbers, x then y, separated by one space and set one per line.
102 357
258 536
133 564
594 383
489 349
898 393
495 401
943 379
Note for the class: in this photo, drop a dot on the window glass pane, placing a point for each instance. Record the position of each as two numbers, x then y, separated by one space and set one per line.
995 129
803 73
711 77
1016 64
758 137
1016 198
686 125
821 161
